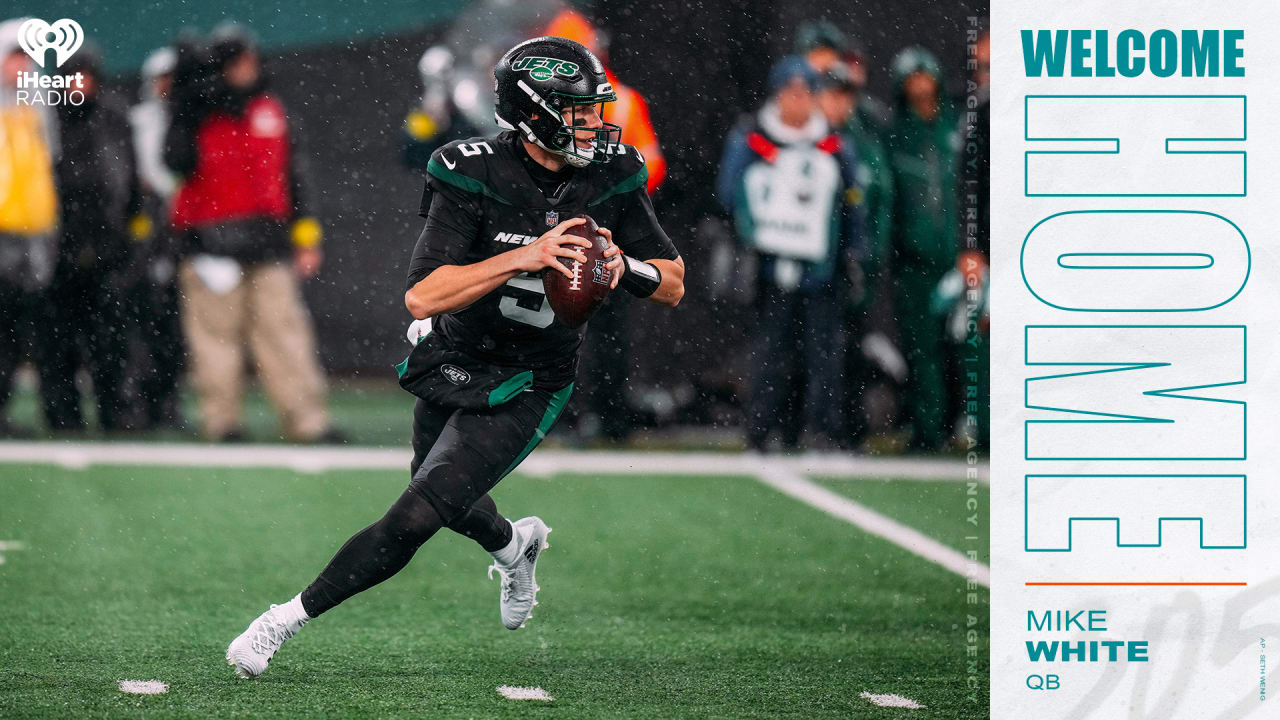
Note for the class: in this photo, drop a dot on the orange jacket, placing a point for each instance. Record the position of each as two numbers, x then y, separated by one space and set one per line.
630 110
632 113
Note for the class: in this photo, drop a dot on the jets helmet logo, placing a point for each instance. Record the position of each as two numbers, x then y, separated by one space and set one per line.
544 68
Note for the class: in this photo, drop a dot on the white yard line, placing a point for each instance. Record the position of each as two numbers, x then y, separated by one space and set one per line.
303 459
549 462
9 546
890 700
144 687
784 473
834 504
523 693
540 463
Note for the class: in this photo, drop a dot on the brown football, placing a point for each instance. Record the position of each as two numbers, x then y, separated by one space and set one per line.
576 300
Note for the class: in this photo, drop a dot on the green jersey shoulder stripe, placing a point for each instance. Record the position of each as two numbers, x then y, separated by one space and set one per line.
462 182
635 181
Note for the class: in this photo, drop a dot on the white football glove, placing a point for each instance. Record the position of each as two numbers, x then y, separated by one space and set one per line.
418 329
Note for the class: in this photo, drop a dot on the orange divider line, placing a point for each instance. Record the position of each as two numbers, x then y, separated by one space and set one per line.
1136 584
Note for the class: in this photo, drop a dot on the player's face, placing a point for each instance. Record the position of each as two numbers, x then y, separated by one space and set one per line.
586 117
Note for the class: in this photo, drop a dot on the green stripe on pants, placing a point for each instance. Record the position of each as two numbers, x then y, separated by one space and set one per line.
558 400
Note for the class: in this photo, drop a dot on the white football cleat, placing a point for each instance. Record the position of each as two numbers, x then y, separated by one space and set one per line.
519 587
252 650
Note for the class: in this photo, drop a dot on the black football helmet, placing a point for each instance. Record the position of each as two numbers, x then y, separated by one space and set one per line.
540 78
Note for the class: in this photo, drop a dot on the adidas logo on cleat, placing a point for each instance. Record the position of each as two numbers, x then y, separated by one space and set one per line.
519 587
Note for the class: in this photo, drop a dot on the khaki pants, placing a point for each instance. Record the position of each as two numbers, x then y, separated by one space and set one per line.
267 311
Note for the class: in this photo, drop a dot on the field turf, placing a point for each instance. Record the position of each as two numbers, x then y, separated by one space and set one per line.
667 596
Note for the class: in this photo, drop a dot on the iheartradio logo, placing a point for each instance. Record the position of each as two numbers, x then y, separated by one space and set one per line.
64 37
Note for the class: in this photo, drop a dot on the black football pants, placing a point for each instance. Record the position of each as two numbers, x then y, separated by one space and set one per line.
459 455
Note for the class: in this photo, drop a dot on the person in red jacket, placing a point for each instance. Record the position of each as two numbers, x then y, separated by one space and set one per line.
249 238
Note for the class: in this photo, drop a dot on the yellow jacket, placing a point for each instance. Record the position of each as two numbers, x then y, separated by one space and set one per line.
28 200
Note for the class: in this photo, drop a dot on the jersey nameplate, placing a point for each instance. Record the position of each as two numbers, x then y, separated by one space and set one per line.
514 238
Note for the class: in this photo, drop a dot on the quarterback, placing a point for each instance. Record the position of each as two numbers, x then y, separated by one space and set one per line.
496 366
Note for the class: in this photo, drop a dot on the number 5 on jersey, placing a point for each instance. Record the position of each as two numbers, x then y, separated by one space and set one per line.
525 301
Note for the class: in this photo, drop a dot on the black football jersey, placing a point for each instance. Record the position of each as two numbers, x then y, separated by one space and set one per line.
480 200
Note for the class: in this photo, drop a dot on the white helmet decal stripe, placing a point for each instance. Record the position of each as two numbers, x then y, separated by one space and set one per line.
528 134
533 95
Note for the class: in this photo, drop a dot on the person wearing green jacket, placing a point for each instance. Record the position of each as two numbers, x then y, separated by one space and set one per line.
923 149
841 98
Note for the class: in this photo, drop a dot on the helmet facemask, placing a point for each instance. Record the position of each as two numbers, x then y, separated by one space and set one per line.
551 89
565 140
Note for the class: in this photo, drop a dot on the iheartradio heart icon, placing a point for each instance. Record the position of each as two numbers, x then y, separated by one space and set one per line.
64 36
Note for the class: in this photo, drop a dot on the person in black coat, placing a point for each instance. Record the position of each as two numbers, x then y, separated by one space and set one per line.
99 195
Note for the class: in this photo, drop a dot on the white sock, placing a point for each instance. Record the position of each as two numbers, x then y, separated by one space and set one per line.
509 554
297 612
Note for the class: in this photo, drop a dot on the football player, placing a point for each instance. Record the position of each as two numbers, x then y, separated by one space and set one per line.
497 367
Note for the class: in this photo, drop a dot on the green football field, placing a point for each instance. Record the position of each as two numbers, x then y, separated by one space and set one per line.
662 596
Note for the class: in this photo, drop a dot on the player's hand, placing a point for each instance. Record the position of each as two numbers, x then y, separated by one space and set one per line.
614 253
546 251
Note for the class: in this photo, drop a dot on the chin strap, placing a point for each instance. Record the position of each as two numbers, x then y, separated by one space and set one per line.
575 160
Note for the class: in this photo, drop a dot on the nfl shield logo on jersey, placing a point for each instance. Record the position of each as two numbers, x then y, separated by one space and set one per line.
553 218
